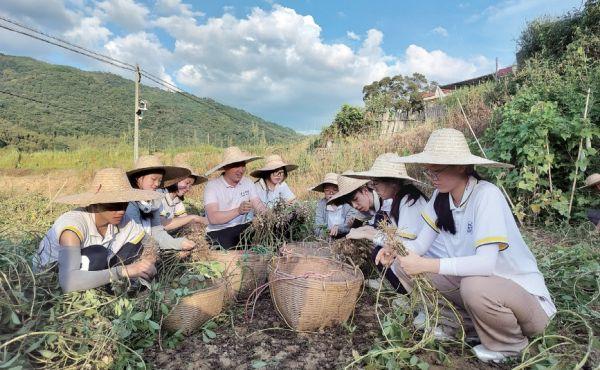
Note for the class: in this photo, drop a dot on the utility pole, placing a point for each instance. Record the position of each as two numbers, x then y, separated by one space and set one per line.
136 129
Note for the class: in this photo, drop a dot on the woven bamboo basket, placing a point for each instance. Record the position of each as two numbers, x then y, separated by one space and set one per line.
244 271
316 249
311 293
194 310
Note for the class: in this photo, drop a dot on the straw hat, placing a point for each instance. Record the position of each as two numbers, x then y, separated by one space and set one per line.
385 166
330 178
273 162
591 180
231 155
198 179
449 146
172 174
110 185
347 185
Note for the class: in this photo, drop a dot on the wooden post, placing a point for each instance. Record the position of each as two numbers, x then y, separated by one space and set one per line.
136 128
587 101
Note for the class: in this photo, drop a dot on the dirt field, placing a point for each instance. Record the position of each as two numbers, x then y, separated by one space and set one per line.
265 342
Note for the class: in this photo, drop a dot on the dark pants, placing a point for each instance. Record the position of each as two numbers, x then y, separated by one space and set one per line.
227 238
389 274
594 215
98 256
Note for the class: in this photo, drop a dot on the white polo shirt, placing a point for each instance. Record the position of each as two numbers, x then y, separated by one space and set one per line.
170 207
335 215
270 197
484 217
83 224
229 197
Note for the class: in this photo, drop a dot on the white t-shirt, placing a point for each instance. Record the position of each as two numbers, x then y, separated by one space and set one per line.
483 218
83 224
335 215
228 197
170 207
270 197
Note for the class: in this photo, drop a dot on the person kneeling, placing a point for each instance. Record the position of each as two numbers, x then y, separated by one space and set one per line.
97 243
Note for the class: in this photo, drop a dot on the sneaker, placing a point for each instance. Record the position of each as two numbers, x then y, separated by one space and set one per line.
419 320
374 284
486 355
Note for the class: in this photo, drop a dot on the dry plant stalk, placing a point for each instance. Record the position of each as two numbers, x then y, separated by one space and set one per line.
357 252
198 236
423 295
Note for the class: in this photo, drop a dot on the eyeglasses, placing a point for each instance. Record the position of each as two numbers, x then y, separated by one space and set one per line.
278 173
435 175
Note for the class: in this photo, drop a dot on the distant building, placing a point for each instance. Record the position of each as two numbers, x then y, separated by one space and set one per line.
502 72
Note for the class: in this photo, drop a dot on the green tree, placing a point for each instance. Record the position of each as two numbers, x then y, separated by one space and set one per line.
398 93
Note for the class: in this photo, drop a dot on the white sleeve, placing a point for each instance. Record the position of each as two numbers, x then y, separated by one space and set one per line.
489 223
286 192
210 194
74 222
482 263
410 220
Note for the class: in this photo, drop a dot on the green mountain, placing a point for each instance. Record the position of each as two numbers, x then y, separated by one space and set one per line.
82 107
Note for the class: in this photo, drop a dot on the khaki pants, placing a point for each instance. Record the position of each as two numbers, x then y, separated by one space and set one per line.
502 313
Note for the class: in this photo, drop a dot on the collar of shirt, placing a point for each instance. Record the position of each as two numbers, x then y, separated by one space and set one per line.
170 200
331 207
466 195
227 184
111 230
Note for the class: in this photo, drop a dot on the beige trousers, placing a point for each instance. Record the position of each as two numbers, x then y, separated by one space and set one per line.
501 311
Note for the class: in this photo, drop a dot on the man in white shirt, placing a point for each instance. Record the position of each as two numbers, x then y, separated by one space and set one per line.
229 198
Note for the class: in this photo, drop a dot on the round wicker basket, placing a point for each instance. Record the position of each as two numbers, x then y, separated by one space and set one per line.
316 249
311 293
194 310
244 271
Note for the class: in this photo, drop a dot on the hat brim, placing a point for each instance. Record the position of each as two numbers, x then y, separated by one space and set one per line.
171 174
87 198
198 179
368 175
590 185
288 167
449 159
220 166
320 187
343 192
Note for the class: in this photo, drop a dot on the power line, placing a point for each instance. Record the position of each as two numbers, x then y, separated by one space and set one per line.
64 41
64 47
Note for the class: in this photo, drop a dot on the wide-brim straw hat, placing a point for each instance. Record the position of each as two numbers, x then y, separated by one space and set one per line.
147 163
198 179
347 185
448 146
110 185
273 162
330 178
591 180
384 166
232 155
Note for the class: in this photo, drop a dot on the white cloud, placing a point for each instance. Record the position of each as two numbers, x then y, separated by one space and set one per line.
126 13
89 33
352 36
439 30
175 7
52 14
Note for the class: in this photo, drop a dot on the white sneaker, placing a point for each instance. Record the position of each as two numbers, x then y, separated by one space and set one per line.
374 284
419 320
486 355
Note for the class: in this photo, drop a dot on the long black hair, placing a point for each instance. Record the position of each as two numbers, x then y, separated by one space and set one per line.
441 205
406 188
267 174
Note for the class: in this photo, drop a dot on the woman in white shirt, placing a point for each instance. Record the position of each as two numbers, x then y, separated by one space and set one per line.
488 270
271 186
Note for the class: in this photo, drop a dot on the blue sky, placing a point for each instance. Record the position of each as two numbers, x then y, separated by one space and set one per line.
291 62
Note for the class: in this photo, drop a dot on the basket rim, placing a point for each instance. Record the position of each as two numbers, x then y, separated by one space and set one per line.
357 274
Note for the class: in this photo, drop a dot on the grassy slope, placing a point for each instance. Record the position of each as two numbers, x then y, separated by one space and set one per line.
107 101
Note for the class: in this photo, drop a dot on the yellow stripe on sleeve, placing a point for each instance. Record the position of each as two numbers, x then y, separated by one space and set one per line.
430 222
502 242
179 213
75 230
407 235
138 238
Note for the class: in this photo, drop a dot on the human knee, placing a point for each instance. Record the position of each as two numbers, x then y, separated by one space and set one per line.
473 291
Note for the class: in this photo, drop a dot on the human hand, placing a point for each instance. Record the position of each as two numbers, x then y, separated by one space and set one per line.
385 256
363 232
245 207
143 268
334 231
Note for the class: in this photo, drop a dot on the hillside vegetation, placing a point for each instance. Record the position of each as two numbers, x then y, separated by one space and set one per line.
100 105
